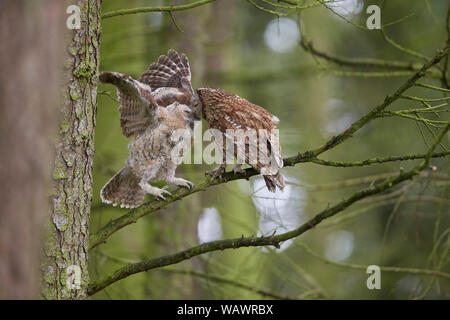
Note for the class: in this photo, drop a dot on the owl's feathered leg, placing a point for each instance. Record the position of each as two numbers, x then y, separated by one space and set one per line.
149 174
217 172
157 192
179 182
238 169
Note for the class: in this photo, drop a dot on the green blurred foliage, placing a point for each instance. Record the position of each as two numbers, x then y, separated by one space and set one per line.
225 43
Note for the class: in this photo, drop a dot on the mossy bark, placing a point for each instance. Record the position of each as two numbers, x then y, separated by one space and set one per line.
64 267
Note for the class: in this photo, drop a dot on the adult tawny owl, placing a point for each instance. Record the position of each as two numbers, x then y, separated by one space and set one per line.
157 113
229 113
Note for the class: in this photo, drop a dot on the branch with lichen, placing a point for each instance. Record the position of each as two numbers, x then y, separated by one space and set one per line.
271 240
309 156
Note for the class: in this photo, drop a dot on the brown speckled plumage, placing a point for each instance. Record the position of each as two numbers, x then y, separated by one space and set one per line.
171 71
223 110
151 110
162 101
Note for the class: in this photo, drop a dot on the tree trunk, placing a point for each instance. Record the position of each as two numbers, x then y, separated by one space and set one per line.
65 262
31 48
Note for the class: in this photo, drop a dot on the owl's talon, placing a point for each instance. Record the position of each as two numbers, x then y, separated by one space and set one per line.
180 182
189 185
157 192
160 195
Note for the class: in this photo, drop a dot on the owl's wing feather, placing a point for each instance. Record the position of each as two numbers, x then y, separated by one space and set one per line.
251 116
224 110
172 70
136 103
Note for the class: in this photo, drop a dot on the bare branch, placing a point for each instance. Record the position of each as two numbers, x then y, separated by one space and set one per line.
155 9
369 63
272 240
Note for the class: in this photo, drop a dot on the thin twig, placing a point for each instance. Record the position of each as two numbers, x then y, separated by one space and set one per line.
171 8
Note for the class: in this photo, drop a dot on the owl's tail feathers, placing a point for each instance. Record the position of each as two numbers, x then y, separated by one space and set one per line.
274 181
123 189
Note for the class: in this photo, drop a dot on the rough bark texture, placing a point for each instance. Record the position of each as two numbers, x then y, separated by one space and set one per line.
66 244
31 42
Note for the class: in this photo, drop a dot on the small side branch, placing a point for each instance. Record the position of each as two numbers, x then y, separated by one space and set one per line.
377 160
368 62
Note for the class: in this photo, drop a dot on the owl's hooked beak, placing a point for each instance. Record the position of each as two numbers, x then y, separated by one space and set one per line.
198 107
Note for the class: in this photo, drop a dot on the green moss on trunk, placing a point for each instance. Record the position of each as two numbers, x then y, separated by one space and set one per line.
67 233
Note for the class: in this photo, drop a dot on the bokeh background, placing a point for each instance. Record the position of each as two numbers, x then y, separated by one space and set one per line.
233 45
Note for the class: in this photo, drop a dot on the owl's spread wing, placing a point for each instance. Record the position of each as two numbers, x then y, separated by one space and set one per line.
172 70
136 103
